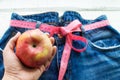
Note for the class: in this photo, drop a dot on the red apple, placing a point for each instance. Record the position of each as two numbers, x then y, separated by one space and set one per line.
33 48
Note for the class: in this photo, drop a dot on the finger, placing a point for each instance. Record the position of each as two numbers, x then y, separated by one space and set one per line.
39 71
53 53
47 34
10 45
52 40
47 65
42 68
12 41
51 58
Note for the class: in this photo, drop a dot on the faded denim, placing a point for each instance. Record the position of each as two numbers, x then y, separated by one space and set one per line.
101 59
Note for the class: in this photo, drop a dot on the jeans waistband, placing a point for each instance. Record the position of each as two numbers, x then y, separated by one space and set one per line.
69 16
51 18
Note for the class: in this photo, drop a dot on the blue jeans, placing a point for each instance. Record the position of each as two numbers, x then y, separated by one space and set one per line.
101 59
98 62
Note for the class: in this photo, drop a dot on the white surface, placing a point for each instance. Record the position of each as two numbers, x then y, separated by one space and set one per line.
60 3
89 9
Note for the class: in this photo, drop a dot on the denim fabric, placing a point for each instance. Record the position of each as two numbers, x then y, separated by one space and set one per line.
101 59
69 16
49 18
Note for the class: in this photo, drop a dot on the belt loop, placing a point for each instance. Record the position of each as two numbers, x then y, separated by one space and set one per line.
82 28
38 23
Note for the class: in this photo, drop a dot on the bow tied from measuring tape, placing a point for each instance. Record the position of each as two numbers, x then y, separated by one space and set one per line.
67 32
72 27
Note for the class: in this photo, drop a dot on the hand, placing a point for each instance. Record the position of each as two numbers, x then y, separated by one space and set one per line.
14 69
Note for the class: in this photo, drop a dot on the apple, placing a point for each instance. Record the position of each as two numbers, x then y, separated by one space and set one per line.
33 48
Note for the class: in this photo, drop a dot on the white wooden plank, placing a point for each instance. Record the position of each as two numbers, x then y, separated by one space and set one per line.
81 4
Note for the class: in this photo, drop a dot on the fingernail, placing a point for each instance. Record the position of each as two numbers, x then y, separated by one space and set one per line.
18 33
1 49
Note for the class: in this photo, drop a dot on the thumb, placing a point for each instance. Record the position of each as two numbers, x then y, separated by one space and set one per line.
11 43
10 49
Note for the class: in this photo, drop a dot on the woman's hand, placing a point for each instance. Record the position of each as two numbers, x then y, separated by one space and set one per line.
14 69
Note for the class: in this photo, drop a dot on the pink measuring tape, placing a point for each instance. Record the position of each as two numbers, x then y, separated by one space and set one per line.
64 31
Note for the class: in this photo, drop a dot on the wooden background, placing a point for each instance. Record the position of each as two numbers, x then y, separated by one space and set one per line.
89 9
